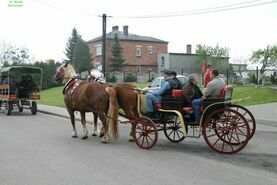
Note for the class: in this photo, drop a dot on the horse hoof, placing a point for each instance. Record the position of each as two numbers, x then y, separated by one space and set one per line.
94 134
105 142
101 135
74 136
84 137
131 140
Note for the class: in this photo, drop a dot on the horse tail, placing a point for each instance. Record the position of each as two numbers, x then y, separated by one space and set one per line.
112 113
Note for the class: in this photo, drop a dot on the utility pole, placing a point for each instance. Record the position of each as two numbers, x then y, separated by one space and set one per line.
104 23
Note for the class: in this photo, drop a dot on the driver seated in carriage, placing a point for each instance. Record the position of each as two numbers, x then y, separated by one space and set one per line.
213 90
165 91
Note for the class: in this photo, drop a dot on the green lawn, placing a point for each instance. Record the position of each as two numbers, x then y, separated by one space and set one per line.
259 95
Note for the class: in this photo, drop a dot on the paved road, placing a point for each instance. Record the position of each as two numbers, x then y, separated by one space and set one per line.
39 150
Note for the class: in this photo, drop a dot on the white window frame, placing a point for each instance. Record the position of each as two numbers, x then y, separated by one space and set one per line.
138 51
150 50
98 50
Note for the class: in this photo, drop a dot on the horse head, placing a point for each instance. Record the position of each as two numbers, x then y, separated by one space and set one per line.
96 76
65 72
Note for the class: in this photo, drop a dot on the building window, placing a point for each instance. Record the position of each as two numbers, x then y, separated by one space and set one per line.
98 49
139 69
162 62
138 51
150 50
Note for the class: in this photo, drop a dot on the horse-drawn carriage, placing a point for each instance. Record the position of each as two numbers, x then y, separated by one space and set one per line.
20 87
226 127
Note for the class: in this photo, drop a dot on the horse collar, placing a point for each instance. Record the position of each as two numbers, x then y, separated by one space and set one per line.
69 84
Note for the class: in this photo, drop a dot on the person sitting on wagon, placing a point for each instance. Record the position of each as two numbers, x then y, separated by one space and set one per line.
213 90
174 77
30 84
22 91
154 97
191 91
2 79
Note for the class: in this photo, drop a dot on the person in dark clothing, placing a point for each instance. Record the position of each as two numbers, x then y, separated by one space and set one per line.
155 97
22 87
191 91
30 84
174 77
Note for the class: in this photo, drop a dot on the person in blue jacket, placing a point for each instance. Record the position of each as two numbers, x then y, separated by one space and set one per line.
165 90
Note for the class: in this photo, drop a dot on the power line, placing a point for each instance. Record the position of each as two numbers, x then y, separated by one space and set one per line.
203 11
228 7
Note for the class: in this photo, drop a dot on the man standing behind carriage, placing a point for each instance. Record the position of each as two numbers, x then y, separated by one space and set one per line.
165 91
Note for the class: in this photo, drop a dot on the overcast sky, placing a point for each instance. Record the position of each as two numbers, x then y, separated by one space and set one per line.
43 26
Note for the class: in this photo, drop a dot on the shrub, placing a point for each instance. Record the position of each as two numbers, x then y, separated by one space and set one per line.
130 78
239 82
111 78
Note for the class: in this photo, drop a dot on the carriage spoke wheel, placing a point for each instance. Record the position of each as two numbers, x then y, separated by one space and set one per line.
173 129
226 131
8 107
34 108
144 132
248 116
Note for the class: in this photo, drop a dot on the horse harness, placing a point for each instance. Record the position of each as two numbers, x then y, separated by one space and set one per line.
75 82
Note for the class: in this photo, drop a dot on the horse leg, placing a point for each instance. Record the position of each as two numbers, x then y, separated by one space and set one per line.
72 118
130 115
95 117
85 130
105 139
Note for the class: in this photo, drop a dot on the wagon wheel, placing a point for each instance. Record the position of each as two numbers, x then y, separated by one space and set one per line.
34 108
20 109
144 132
248 116
173 129
8 108
223 128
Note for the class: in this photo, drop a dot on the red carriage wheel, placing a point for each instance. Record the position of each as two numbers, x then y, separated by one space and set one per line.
248 116
173 129
226 131
144 132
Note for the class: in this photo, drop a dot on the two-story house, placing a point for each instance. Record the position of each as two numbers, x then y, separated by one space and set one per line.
139 52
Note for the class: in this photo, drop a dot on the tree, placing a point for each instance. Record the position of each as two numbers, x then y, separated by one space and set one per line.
13 54
117 60
71 43
216 56
266 57
81 56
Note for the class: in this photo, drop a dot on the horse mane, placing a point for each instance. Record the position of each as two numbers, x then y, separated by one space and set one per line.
69 69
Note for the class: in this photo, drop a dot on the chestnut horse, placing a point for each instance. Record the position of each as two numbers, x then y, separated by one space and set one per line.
126 94
89 97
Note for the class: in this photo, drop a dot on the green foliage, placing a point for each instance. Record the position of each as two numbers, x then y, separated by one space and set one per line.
252 78
217 56
267 57
111 78
13 54
273 79
117 60
81 57
71 43
129 77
